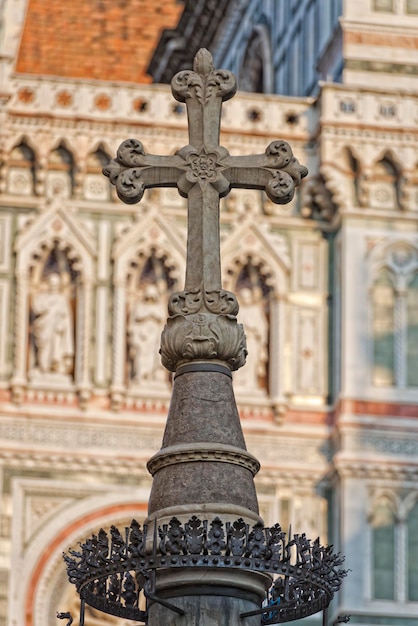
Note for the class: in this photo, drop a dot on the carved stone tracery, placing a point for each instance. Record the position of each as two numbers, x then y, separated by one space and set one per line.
60 176
52 324
53 244
254 289
21 170
393 290
148 283
316 200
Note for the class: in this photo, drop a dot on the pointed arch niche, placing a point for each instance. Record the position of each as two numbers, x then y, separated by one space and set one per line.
21 170
392 540
96 186
383 521
256 74
352 170
385 185
60 176
54 281
149 260
394 315
257 269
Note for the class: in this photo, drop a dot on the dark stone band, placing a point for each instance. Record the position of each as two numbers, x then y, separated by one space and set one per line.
203 367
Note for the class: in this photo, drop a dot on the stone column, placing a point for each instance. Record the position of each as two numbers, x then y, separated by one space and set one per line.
203 467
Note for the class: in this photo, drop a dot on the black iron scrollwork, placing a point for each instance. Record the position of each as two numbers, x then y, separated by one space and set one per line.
110 571
66 616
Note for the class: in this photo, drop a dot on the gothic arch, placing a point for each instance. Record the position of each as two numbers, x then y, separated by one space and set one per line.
151 241
351 162
254 290
338 184
15 140
253 249
263 246
98 157
256 73
54 229
383 521
408 504
66 143
387 497
21 166
386 184
102 145
40 586
393 296
391 158
27 185
96 187
350 153
61 171
398 256
316 199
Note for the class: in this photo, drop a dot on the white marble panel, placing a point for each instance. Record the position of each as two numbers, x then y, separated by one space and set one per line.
5 336
20 181
307 265
308 357
96 187
5 242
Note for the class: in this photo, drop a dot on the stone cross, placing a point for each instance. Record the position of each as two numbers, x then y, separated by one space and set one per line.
203 171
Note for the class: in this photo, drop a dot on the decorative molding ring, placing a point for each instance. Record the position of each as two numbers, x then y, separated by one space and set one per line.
187 453
203 367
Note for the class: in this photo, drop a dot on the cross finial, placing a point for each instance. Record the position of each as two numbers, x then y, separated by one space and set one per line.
203 171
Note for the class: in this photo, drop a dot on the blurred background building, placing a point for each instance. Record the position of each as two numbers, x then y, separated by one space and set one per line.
328 285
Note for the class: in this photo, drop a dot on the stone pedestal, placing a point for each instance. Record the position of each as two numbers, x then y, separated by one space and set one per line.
203 467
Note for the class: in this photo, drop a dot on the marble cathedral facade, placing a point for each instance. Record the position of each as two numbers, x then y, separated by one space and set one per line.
328 292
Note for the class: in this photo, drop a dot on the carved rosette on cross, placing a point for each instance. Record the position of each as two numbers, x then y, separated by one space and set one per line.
202 322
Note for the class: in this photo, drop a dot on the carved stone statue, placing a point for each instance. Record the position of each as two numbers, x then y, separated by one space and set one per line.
253 318
53 329
146 321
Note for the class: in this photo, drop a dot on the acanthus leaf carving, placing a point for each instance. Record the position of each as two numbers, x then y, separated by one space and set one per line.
202 336
204 82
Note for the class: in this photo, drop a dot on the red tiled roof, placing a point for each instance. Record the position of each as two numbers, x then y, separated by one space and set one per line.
100 39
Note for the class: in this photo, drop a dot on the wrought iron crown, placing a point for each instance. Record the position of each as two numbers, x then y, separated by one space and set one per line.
111 572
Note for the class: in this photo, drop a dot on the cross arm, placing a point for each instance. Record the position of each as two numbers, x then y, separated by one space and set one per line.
133 171
277 172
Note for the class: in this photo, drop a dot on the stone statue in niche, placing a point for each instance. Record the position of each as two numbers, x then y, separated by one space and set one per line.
52 330
145 324
253 317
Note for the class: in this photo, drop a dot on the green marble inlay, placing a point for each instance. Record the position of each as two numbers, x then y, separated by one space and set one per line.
380 66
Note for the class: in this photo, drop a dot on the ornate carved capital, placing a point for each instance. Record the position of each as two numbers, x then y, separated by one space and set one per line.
202 336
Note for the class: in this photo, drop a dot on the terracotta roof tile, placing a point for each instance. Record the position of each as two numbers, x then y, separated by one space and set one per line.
100 39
